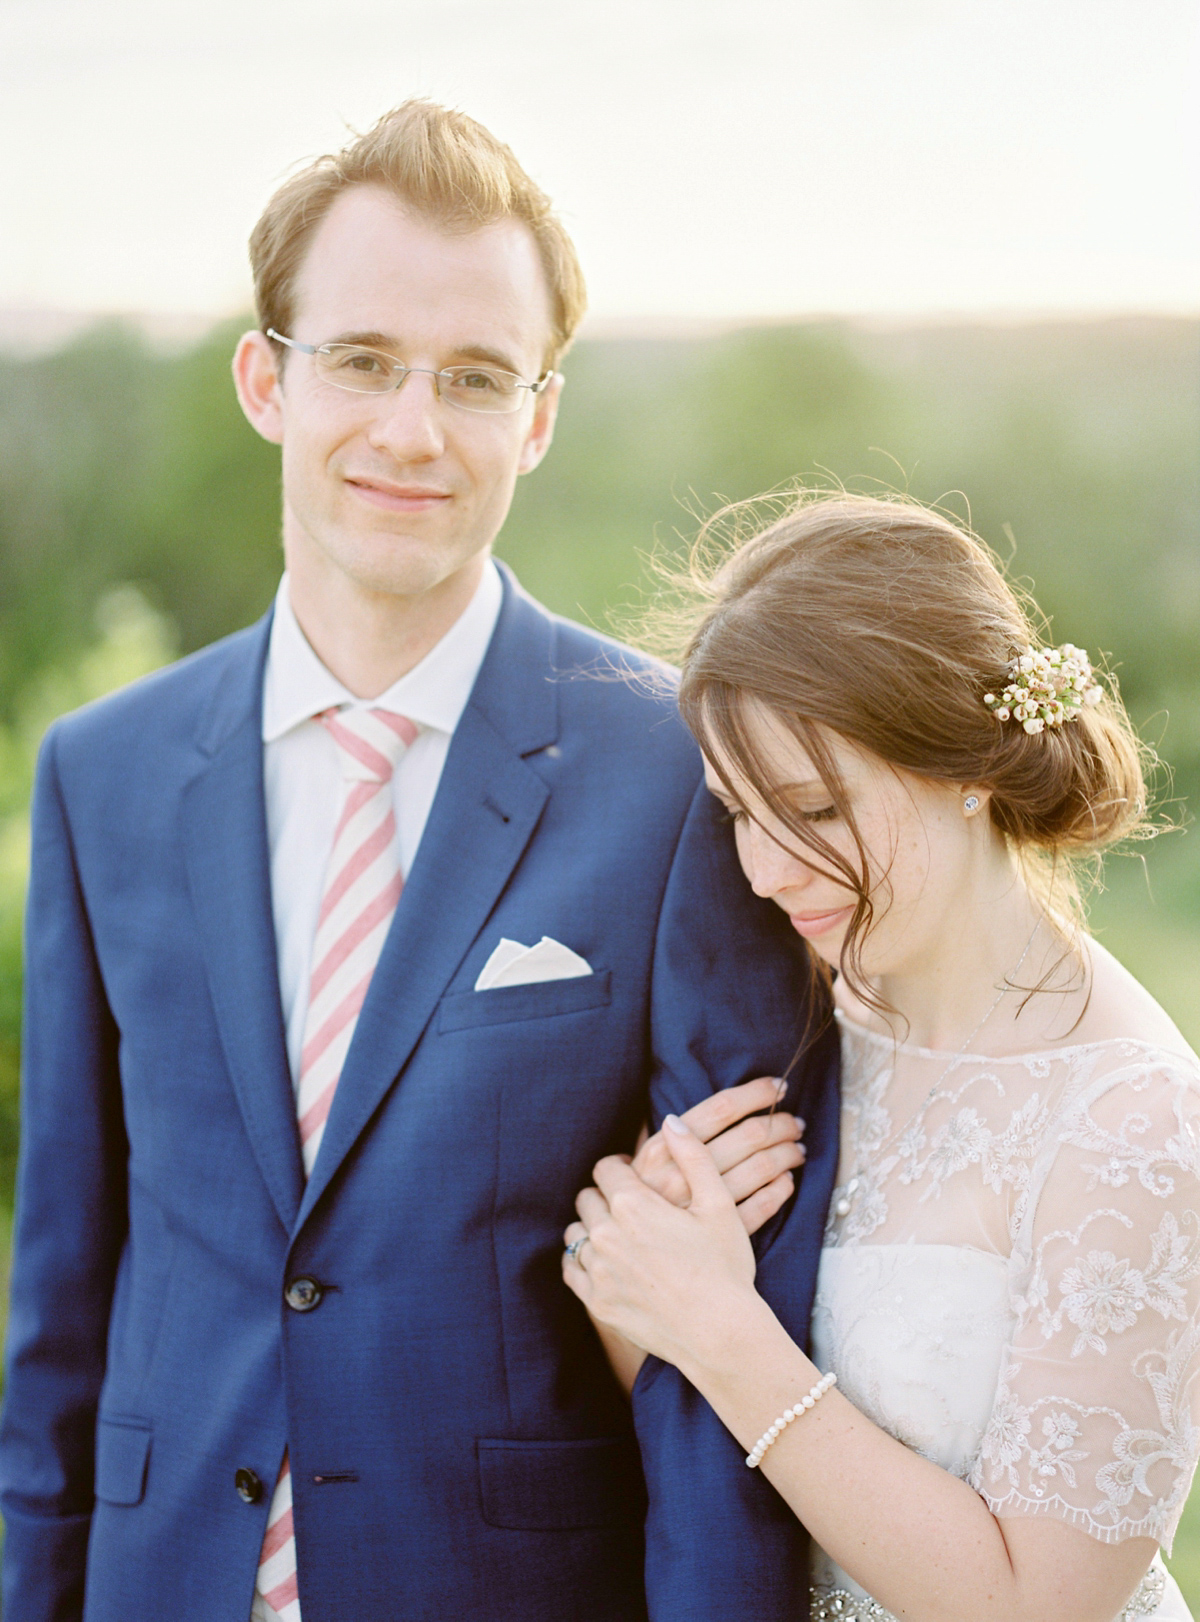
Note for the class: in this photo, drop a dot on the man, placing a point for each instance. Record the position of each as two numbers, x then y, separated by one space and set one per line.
353 942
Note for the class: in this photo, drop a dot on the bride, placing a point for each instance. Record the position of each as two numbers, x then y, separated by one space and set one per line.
997 1418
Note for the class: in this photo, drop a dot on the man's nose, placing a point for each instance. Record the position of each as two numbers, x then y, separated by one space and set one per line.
767 865
408 422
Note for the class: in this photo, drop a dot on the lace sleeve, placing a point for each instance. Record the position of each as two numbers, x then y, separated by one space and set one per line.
1097 1413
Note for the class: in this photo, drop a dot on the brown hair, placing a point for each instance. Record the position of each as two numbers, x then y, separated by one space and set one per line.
883 621
443 164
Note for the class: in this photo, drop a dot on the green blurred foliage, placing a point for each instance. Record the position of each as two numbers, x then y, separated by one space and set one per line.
131 639
139 518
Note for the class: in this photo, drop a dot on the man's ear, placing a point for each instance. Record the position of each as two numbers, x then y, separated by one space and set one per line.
541 432
256 378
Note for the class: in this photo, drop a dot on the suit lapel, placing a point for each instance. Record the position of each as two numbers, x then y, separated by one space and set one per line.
228 867
487 806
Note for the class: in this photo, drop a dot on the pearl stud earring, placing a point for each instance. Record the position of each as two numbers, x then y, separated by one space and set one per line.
971 803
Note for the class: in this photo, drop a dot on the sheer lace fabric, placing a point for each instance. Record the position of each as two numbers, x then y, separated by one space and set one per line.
1011 1279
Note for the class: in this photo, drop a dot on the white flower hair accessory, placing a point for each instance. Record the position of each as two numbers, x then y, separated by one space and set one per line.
1047 688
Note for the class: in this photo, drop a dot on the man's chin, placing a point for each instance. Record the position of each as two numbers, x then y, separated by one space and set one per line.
402 566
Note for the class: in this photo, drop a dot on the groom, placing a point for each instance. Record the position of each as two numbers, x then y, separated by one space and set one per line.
353 942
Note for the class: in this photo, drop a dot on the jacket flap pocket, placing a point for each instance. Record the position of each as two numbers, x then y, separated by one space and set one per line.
122 1449
464 1009
561 1486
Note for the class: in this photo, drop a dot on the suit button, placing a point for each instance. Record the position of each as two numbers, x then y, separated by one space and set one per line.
303 1294
249 1486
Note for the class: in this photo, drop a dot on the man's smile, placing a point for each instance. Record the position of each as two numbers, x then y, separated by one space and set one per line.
403 498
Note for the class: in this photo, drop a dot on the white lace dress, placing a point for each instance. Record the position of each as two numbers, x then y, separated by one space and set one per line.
1010 1283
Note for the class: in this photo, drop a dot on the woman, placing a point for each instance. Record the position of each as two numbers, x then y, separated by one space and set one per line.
1009 1295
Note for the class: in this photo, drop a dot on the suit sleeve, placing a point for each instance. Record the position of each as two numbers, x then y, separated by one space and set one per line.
69 1231
730 1001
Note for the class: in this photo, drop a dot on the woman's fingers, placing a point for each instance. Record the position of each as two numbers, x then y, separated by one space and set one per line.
731 1148
756 1172
707 1193
614 1177
744 1176
591 1206
764 1202
573 1244
721 1122
714 1115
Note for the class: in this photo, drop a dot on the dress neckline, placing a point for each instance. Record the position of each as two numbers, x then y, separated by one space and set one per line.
846 1023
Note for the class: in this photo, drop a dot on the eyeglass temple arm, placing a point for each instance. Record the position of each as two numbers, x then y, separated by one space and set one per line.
292 343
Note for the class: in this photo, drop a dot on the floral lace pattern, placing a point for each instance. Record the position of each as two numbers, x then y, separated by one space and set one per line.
1078 1170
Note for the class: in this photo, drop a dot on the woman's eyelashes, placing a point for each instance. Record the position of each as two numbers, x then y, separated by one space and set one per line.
737 813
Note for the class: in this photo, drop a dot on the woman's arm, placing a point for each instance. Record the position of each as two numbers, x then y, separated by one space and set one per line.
680 1283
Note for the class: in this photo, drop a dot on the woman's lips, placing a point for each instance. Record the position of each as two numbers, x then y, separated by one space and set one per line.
810 924
399 498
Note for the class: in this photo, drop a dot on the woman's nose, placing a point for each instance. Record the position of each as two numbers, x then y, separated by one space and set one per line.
766 864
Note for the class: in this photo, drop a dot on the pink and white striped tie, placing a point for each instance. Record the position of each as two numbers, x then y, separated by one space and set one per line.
362 886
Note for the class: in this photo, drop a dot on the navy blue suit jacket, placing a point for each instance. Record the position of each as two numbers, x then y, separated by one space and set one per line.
458 1445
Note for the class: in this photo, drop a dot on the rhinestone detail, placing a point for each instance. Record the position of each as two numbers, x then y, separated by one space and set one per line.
839 1605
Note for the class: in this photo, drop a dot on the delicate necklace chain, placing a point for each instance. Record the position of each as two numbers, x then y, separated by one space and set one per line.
844 1197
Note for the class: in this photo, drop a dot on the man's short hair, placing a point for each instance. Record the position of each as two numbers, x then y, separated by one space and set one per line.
440 163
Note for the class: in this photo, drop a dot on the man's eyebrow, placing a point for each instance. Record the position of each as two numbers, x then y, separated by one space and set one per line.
489 357
368 340
466 352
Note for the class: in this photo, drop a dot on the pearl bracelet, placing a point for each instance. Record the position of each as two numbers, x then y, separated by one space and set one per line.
773 1432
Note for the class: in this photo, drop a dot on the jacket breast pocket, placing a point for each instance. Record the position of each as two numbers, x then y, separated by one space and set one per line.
464 1010
561 1486
122 1453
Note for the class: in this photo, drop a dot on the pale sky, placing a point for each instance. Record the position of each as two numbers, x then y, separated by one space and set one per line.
713 158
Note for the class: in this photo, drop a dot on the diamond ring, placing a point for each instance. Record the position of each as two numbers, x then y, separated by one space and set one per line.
577 1245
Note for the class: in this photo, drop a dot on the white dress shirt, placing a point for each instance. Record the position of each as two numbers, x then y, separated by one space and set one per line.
303 780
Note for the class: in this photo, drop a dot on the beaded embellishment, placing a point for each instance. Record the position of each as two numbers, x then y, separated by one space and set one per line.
839 1605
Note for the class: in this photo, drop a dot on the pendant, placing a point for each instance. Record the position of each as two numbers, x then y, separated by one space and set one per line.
847 1200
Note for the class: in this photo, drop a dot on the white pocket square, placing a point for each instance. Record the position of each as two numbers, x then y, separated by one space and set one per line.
512 964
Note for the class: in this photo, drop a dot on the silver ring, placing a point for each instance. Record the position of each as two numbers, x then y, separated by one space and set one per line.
577 1245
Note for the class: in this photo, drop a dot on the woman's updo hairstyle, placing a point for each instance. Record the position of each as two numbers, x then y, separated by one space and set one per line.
883 621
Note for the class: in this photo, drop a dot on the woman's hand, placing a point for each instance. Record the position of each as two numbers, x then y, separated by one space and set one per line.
670 1280
756 1157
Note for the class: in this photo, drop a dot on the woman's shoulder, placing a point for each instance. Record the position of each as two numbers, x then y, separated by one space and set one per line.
1119 1141
1121 1012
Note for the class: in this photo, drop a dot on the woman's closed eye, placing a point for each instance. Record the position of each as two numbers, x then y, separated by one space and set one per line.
737 813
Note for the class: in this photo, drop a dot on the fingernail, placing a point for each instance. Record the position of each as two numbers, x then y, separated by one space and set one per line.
674 1124
801 1123
780 1086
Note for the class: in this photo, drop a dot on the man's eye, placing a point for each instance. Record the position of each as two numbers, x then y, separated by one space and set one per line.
362 360
478 382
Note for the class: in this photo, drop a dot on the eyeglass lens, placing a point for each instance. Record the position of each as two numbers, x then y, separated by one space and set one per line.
369 371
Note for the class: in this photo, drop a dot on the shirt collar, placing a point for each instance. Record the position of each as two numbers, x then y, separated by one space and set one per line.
434 693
